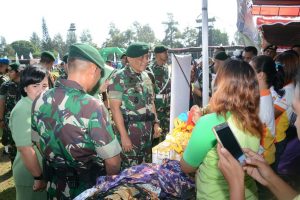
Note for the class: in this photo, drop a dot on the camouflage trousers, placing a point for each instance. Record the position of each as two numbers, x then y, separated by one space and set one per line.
140 134
7 140
60 189
163 114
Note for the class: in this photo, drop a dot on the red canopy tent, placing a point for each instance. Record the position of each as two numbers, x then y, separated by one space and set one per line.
279 21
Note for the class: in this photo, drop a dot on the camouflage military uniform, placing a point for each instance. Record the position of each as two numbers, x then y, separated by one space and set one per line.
163 96
3 78
136 93
75 133
9 92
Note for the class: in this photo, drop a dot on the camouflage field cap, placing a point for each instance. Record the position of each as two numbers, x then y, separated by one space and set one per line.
48 54
15 66
137 49
160 49
88 53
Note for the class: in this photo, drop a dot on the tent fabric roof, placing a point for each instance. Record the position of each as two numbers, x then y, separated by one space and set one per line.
286 11
274 2
282 34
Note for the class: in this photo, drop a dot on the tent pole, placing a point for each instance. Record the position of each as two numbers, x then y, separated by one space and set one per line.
205 65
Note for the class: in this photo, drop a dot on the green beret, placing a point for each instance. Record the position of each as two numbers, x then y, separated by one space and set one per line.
15 66
65 58
48 54
88 53
137 49
160 49
221 56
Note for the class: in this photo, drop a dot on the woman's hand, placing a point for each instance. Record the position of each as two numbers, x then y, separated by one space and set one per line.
230 167
39 185
257 167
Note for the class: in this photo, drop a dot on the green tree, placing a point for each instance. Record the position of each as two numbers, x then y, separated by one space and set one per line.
144 33
189 37
171 31
116 38
23 47
2 45
86 37
46 40
35 40
9 52
59 45
218 37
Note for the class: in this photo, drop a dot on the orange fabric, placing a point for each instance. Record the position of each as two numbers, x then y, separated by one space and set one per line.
265 92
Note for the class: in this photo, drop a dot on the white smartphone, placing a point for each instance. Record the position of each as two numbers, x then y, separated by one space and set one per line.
227 139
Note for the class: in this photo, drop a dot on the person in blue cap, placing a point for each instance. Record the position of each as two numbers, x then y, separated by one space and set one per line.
3 70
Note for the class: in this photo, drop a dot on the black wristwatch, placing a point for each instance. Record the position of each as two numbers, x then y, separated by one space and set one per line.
38 178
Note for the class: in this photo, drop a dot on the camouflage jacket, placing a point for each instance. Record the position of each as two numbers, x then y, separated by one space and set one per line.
3 78
74 127
161 74
133 89
9 91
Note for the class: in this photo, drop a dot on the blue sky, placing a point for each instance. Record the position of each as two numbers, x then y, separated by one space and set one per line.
20 18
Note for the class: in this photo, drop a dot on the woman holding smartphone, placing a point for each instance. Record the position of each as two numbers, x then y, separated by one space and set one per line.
235 101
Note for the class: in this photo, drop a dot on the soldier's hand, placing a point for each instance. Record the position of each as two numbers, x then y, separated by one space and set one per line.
126 143
39 185
157 130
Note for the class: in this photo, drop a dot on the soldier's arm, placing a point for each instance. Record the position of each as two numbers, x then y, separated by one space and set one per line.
112 165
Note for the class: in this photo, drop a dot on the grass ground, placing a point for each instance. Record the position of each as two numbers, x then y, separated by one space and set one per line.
7 185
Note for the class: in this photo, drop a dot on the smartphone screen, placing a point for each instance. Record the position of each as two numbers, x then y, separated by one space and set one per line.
228 140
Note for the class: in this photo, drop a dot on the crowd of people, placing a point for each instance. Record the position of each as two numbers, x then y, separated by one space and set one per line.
61 133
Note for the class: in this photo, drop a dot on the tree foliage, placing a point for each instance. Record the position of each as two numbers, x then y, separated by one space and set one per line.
46 40
218 38
86 37
59 45
23 47
2 45
36 41
171 32
189 37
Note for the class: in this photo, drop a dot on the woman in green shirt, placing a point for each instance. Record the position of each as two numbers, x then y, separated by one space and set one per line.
235 100
27 170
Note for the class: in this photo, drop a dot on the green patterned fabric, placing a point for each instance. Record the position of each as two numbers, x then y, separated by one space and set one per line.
136 93
163 94
74 130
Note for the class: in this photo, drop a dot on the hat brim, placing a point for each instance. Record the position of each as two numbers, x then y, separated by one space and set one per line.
107 70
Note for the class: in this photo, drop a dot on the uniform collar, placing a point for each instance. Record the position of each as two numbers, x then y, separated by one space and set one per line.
69 84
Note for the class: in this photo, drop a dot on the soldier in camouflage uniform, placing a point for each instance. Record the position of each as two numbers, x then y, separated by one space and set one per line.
131 99
9 96
47 61
161 73
76 135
